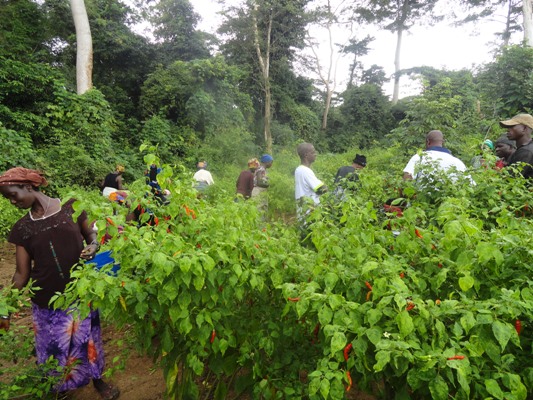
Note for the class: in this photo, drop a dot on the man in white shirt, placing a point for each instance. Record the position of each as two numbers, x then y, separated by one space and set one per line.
307 185
436 157
202 177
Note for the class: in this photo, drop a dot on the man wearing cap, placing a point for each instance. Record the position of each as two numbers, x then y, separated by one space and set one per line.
504 150
436 157
261 182
347 174
519 129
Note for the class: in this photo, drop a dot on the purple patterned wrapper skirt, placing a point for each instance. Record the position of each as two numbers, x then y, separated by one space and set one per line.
75 343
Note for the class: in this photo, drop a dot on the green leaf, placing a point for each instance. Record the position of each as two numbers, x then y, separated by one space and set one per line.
373 316
466 282
324 388
382 358
405 323
338 342
494 389
331 280
325 315
438 388
502 332
468 321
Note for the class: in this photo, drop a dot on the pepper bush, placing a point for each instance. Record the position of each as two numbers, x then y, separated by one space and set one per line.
434 303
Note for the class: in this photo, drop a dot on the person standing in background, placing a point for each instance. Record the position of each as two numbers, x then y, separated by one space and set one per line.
519 129
202 176
307 185
245 182
261 182
113 181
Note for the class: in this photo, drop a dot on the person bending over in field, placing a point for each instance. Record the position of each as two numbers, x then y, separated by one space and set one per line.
113 182
307 187
48 243
346 176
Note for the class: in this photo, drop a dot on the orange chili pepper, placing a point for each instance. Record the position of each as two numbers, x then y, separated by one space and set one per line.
368 295
410 306
349 377
368 285
417 233
294 299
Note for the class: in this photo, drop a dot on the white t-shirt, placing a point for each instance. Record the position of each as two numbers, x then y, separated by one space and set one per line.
439 159
203 175
306 184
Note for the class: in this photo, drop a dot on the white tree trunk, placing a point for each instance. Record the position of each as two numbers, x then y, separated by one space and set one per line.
264 64
84 52
527 10
396 91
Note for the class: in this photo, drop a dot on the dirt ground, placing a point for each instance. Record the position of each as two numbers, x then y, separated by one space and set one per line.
140 379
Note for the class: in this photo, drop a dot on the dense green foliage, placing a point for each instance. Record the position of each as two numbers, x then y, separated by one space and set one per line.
219 286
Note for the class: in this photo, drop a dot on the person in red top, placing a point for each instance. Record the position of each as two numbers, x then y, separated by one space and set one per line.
245 182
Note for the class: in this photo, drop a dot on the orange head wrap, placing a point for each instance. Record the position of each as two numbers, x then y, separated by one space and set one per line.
22 176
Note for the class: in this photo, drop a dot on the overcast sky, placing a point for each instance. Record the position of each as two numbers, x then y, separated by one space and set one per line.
440 46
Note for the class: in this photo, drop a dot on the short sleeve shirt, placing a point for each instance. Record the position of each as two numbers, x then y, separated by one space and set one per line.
54 245
440 159
306 184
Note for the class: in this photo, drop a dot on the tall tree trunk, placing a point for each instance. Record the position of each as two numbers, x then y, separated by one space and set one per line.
396 91
527 10
264 64
84 51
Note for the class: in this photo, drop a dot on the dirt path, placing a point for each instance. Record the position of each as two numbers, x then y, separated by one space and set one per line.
140 380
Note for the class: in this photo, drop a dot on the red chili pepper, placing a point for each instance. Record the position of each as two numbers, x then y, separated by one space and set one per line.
417 233
439 265
402 275
349 377
294 299
213 335
368 285
456 358
410 306
315 331
518 326
347 350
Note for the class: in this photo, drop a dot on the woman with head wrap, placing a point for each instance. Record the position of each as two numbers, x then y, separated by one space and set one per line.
245 182
48 243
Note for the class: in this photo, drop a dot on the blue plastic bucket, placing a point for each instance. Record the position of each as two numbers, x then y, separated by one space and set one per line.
102 259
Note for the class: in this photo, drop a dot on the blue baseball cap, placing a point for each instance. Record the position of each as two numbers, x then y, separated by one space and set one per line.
266 158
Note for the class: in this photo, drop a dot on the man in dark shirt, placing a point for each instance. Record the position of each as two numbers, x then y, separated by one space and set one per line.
347 173
519 129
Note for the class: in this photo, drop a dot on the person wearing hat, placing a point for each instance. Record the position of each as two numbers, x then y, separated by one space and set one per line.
479 160
245 182
202 176
435 157
49 241
504 150
519 129
113 181
347 174
261 182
